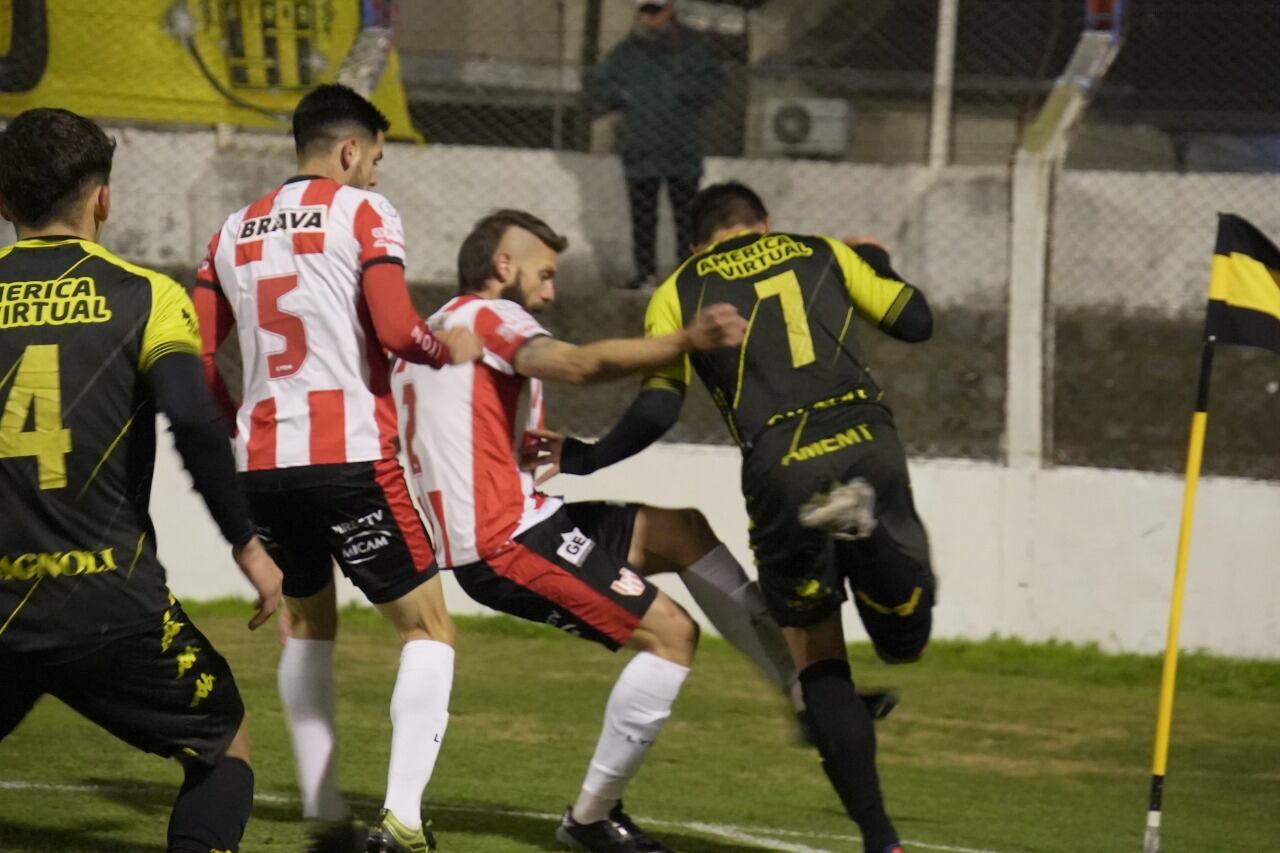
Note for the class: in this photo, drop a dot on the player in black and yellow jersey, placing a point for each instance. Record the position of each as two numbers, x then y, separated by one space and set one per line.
823 473
91 347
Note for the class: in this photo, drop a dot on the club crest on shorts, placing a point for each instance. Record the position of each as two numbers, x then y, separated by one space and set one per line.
628 583
575 548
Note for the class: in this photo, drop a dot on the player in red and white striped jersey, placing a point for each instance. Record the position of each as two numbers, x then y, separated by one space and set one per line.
581 567
312 274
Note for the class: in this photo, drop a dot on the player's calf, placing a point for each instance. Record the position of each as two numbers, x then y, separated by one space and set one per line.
212 808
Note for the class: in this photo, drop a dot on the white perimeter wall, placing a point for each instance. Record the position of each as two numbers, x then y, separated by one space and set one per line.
1074 554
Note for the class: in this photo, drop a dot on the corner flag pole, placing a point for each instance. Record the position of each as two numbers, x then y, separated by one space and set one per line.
1164 716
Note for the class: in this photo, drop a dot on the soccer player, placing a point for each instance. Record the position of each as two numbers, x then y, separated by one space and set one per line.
823 471
579 567
313 276
91 347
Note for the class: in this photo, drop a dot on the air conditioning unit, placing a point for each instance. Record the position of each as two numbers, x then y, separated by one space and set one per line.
806 127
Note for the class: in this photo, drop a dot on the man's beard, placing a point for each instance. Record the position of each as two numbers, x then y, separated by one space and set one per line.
514 292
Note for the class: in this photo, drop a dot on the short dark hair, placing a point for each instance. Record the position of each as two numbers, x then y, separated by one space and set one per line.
329 112
475 258
725 205
49 160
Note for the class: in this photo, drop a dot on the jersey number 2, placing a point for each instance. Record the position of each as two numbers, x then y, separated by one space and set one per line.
787 288
274 319
37 385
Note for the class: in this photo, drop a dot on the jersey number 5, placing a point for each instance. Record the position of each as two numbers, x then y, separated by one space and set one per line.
37 385
787 288
274 319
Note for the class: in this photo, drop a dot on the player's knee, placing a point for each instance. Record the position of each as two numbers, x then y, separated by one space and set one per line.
696 527
671 632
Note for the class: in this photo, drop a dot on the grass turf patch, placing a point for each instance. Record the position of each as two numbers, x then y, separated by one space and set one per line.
998 745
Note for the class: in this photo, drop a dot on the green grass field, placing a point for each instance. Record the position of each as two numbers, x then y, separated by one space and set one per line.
997 746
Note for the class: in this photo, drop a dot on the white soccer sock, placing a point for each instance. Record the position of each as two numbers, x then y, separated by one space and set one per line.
633 717
735 605
419 715
305 682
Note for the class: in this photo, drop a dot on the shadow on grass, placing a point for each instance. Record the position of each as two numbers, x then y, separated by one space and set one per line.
156 800
515 823
87 838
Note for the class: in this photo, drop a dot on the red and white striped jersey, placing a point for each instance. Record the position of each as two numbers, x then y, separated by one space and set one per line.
462 427
316 380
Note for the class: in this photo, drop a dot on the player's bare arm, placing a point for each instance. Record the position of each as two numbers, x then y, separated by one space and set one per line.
556 361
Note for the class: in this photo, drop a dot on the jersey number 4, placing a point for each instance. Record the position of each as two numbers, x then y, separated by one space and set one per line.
37 385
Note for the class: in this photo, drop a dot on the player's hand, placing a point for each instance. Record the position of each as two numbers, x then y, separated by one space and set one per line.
463 345
717 326
264 574
541 448
856 240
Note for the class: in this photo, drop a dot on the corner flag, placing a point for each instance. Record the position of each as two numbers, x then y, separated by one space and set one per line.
1244 309
1244 287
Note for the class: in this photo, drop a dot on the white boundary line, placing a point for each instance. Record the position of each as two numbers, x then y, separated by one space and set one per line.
766 838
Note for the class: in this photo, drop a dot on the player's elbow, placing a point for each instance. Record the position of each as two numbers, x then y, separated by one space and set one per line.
915 324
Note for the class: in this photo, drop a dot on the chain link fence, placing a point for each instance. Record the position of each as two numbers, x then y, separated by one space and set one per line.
559 106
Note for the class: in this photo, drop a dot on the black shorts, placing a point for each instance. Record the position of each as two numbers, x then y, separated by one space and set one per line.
164 690
359 514
569 571
803 571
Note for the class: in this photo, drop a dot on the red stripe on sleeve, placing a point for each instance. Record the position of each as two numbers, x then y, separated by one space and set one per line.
208 272
366 220
328 427
262 436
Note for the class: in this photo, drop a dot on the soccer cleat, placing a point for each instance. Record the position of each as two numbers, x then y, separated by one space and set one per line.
339 836
848 511
392 836
644 842
603 836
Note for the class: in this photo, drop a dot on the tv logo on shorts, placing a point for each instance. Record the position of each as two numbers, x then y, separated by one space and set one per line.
576 547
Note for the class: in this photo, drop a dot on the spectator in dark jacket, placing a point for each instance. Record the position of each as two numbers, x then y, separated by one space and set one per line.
661 77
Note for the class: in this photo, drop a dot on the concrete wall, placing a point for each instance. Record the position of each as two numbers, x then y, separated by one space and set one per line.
1139 240
172 191
1072 554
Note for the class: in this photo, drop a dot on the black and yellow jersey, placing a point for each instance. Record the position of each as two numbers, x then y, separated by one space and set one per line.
800 295
78 329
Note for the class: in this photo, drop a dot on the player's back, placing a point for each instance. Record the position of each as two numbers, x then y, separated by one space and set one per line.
463 426
77 440
800 294
315 381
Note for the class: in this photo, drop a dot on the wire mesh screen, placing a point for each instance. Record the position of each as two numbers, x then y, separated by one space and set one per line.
601 116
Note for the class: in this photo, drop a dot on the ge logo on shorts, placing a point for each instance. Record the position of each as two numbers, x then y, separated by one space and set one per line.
628 583
575 548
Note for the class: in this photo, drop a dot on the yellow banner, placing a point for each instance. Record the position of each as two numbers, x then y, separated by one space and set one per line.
240 62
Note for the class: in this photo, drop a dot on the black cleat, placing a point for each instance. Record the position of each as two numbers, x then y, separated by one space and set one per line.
343 836
644 842
603 836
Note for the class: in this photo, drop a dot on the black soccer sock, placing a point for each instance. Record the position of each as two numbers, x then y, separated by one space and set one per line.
212 808
846 740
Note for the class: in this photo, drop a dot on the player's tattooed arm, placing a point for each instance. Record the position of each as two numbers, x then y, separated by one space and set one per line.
556 361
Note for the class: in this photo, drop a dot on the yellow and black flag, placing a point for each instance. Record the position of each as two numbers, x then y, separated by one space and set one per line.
1244 287
1244 309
